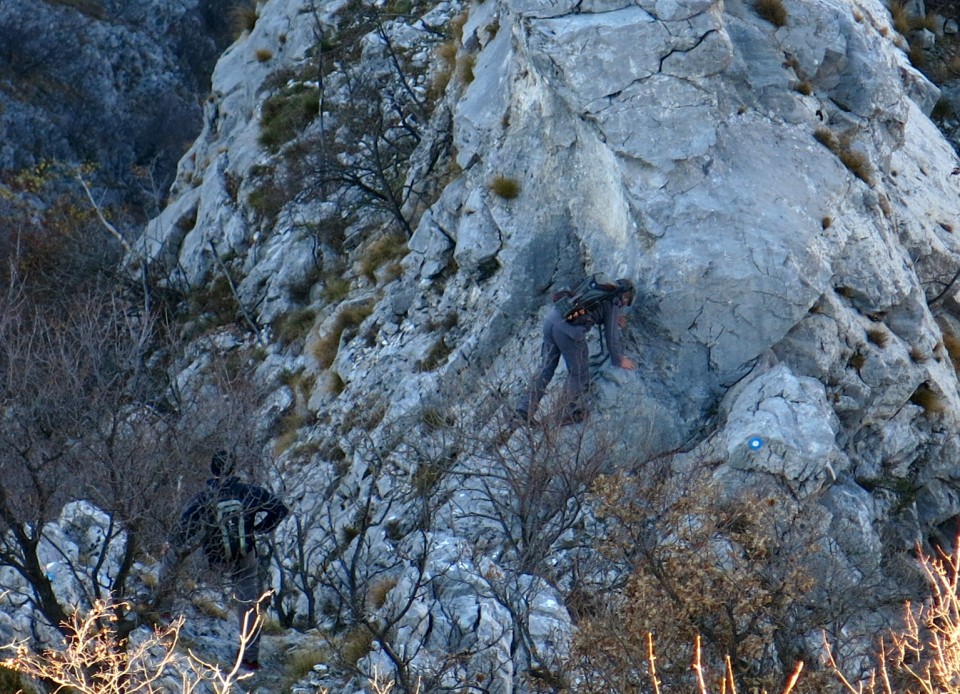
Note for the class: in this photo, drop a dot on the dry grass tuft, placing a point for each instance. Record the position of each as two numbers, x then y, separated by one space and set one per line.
846 292
879 337
465 68
211 608
457 24
856 162
773 11
918 355
335 384
294 325
917 56
952 68
382 251
355 644
951 344
931 401
335 288
348 319
447 52
898 16
301 661
826 138
244 18
378 592
505 187
435 357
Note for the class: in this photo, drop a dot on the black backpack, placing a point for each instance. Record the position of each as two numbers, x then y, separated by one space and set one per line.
230 538
576 302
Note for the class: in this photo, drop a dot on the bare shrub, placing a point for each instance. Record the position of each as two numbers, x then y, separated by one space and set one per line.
342 557
537 485
368 553
923 656
528 487
79 425
742 575
726 677
358 152
95 660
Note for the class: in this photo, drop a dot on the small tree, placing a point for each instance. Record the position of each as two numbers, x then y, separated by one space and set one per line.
364 121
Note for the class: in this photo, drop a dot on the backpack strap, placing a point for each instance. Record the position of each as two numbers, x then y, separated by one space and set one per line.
585 296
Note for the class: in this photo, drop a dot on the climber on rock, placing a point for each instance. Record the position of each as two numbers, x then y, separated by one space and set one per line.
597 300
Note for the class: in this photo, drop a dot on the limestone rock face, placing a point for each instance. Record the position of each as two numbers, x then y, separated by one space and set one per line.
779 194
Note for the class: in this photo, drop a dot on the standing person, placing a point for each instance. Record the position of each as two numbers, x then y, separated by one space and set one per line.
224 519
565 330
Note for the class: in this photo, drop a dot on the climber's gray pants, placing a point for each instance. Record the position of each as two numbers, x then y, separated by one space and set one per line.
247 591
567 340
